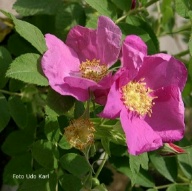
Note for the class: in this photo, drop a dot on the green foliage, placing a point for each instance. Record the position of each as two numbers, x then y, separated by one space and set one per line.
5 60
27 68
4 112
166 166
183 7
103 7
45 153
71 161
34 7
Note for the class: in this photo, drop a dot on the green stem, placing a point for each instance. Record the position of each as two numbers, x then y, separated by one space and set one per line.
183 53
11 93
102 165
135 11
167 185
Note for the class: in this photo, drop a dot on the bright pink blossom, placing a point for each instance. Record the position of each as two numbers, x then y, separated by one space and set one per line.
146 95
81 64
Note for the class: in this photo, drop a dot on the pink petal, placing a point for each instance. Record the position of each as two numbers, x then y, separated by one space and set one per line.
140 137
133 52
58 61
163 70
114 104
167 117
78 93
108 41
83 41
80 82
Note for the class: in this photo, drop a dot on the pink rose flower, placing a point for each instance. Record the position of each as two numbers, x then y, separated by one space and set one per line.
146 95
81 64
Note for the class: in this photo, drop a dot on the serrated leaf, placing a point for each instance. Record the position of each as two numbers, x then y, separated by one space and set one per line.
18 165
75 164
166 166
4 112
48 183
182 7
27 69
122 165
5 60
185 162
18 111
34 7
103 7
68 16
17 142
29 32
70 183
59 103
45 153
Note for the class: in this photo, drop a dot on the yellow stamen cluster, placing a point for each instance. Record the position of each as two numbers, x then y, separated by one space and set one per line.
93 70
136 97
80 133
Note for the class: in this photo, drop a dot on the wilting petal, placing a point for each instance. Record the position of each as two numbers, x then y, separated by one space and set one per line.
83 41
163 70
133 52
108 40
114 104
167 117
140 137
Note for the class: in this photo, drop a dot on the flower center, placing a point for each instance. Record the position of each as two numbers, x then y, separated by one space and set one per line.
80 133
136 97
93 70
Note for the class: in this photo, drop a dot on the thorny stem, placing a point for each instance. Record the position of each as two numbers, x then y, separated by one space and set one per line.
11 93
102 165
183 53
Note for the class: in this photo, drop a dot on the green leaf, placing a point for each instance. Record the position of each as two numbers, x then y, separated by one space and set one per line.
34 7
175 187
68 16
70 183
190 44
27 69
122 165
29 32
105 143
103 7
18 111
22 47
52 130
44 180
185 162
18 165
135 162
59 103
5 60
182 7
4 112
75 164
45 153
145 31
63 143
166 166
79 109
123 4
17 142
